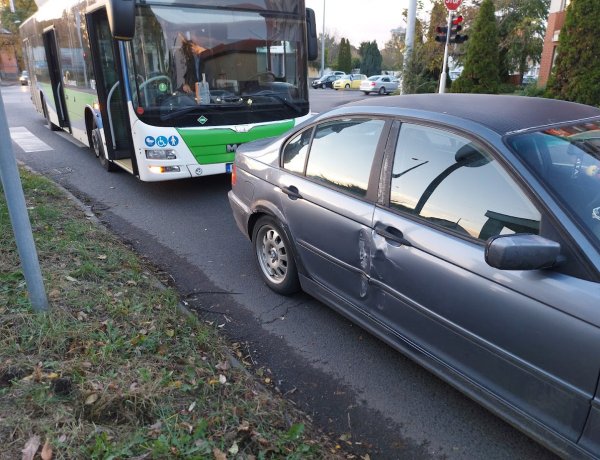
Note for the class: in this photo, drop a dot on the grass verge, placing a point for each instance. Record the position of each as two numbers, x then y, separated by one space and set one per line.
114 370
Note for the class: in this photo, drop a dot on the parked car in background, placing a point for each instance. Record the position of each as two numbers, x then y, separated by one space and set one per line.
24 78
380 84
461 229
325 82
351 81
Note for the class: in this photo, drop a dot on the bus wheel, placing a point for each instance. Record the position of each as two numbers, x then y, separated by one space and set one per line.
98 148
50 125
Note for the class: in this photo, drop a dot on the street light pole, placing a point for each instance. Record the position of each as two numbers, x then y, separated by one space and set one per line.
409 39
323 43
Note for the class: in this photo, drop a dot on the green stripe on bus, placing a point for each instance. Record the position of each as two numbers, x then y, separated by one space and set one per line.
211 146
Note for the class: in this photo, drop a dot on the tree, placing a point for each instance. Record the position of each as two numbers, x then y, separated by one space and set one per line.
393 52
521 30
576 73
481 69
371 58
11 20
345 56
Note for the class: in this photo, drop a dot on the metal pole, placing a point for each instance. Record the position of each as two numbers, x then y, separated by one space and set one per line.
12 6
323 43
410 36
445 63
17 210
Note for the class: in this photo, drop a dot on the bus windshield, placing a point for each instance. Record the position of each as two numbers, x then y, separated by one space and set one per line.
196 66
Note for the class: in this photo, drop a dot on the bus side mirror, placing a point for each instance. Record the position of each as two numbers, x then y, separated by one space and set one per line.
312 45
121 18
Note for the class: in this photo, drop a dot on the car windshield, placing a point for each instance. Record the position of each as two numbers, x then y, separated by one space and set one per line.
238 66
566 160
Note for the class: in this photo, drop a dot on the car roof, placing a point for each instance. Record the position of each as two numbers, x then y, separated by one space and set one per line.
500 113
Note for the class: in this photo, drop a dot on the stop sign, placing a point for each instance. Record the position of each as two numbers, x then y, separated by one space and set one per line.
452 4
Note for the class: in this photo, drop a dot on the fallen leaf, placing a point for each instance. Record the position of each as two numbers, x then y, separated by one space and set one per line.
102 257
46 451
31 448
191 408
222 379
219 455
170 332
70 278
222 366
91 399
233 450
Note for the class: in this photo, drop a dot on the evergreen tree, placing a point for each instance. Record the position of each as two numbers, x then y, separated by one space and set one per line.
576 74
481 69
371 58
345 56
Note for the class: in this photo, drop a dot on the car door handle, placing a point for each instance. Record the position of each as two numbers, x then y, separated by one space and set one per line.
292 192
392 234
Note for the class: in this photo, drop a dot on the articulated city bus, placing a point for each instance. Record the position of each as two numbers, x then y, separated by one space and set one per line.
167 89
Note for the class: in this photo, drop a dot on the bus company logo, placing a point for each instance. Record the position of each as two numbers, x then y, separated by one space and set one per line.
241 128
231 148
150 141
202 120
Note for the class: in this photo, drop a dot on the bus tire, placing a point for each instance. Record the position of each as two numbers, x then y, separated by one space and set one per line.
50 125
98 149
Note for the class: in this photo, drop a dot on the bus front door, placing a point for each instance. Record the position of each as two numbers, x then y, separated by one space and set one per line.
111 91
58 93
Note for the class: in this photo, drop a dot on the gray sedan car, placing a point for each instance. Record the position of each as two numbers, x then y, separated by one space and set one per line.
463 230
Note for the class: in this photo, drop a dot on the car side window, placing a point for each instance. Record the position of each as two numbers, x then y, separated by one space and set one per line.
454 183
294 152
342 153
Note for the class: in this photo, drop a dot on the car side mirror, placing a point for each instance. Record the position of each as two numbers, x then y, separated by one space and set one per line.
521 252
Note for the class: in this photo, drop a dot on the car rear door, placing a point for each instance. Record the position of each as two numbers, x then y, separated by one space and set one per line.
327 197
523 336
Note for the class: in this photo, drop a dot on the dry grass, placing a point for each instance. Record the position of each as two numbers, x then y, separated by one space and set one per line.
114 370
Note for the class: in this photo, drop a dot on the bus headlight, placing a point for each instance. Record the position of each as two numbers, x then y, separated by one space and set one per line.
160 154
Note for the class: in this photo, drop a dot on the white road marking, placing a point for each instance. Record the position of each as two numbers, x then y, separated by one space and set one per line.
27 141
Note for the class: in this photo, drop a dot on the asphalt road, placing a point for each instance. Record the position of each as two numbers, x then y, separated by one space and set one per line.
349 382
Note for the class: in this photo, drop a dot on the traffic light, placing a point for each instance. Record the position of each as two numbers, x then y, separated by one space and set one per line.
455 28
441 34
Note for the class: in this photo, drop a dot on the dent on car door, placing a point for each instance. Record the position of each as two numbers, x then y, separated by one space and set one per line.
328 204
510 333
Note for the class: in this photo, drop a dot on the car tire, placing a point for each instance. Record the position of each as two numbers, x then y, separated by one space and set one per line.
323 85
347 86
274 256
366 93
382 91
98 149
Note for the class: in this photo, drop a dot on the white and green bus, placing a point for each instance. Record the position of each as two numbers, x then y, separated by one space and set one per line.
168 89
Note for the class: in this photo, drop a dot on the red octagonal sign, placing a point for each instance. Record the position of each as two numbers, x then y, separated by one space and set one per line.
452 4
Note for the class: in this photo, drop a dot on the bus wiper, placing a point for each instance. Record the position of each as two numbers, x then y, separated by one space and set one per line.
183 111
275 95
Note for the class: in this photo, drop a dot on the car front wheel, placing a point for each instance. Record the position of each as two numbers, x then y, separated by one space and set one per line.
274 256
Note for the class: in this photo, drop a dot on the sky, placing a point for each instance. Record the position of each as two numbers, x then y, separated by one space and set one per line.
359 21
